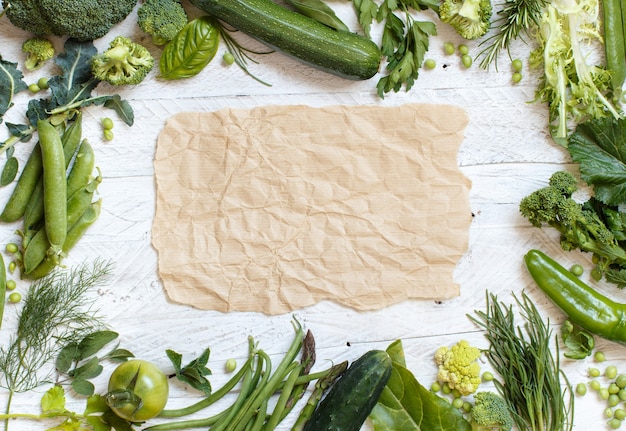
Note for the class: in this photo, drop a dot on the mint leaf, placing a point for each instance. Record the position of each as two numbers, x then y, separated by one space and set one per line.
193 373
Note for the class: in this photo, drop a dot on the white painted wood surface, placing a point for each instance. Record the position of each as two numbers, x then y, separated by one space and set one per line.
506 153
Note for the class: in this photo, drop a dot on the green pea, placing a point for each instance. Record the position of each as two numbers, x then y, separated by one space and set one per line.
34 88
435 387
599 356
15 297
604 393
619 414
581 389
466 59
11 284
608 412
613 400
448 48
576 269
467 406
430 64
108 135
12 248
12 266
622 394
231 365
446 389
615 423
228 58
456 393
595 385
487 376
610 372
620 381
457 403
463 49
517 65
594 372
43 83
107 123
613 388
596 275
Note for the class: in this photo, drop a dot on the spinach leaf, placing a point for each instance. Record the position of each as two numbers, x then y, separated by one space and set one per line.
599 147
10 83
406 405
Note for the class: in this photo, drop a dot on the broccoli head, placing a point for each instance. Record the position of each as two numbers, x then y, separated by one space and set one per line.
161 19
470 18
490 412
80 19
123 63
458 367
39 50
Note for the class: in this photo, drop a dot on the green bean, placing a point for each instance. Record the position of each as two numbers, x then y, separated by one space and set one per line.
285 393
259 421
54 185
71 140
73 236
16 205
614 41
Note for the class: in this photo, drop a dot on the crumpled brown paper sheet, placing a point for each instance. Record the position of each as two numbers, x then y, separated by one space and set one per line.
279 207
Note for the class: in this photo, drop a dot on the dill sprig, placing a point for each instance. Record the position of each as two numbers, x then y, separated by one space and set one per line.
515 18
536 389
240 54
56 311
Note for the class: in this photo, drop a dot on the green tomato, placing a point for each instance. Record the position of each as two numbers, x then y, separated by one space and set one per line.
138 390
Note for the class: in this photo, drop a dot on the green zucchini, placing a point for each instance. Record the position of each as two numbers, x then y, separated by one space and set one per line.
354 395
342 53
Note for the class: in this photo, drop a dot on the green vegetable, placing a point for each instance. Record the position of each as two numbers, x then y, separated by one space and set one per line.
124 63
319 11
430 64
467 60
3 287
39 50
54 186
581 389
11 83
515 18
161 19
578 343
598 147
448 48
405 404
614 32
16 205
583 305
573 89
533 383
138 390
343 53
459 367
193 373
517 65
351 399
79 19
581 226
490 413
469 18
190 50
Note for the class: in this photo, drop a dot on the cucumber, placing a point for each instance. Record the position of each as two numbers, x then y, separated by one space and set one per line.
341 53
354 395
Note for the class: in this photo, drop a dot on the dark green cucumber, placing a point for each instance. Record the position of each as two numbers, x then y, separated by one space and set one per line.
354 395
345 54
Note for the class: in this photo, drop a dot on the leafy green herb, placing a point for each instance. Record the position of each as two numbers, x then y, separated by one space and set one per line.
319 11
515 18
193 373
78 362
599 147
241 55
367 11
578 343
406 405
11 83
191 49
533 383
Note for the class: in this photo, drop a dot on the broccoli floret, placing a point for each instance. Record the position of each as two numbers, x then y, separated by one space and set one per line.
161 19
123 63
458 367
80 19
490 413
470 18
579 224
39 50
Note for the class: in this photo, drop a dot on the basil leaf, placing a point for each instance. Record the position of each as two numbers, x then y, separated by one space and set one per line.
599 147
191 50
320 12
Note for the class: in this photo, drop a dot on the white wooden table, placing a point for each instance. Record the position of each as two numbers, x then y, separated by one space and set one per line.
506 153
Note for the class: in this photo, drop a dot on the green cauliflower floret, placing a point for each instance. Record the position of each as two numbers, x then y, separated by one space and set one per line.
161 19
80 19
39 50
470 18
490 412
123 63
459 367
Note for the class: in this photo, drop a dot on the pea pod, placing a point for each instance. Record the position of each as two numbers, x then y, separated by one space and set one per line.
614 42
73 236
3 287
582 304
54 185
16 205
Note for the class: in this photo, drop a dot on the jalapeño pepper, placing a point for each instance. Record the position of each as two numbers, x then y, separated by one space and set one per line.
582 304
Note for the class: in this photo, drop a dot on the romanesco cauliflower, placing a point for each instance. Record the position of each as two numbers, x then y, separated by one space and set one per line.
459 367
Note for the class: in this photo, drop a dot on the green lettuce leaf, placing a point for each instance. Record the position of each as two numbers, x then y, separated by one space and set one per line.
406 405
599 147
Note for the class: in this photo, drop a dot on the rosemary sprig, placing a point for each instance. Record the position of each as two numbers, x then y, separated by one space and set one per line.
56 311
533 384
515 18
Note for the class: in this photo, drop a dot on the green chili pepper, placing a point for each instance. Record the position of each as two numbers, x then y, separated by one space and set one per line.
582 304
